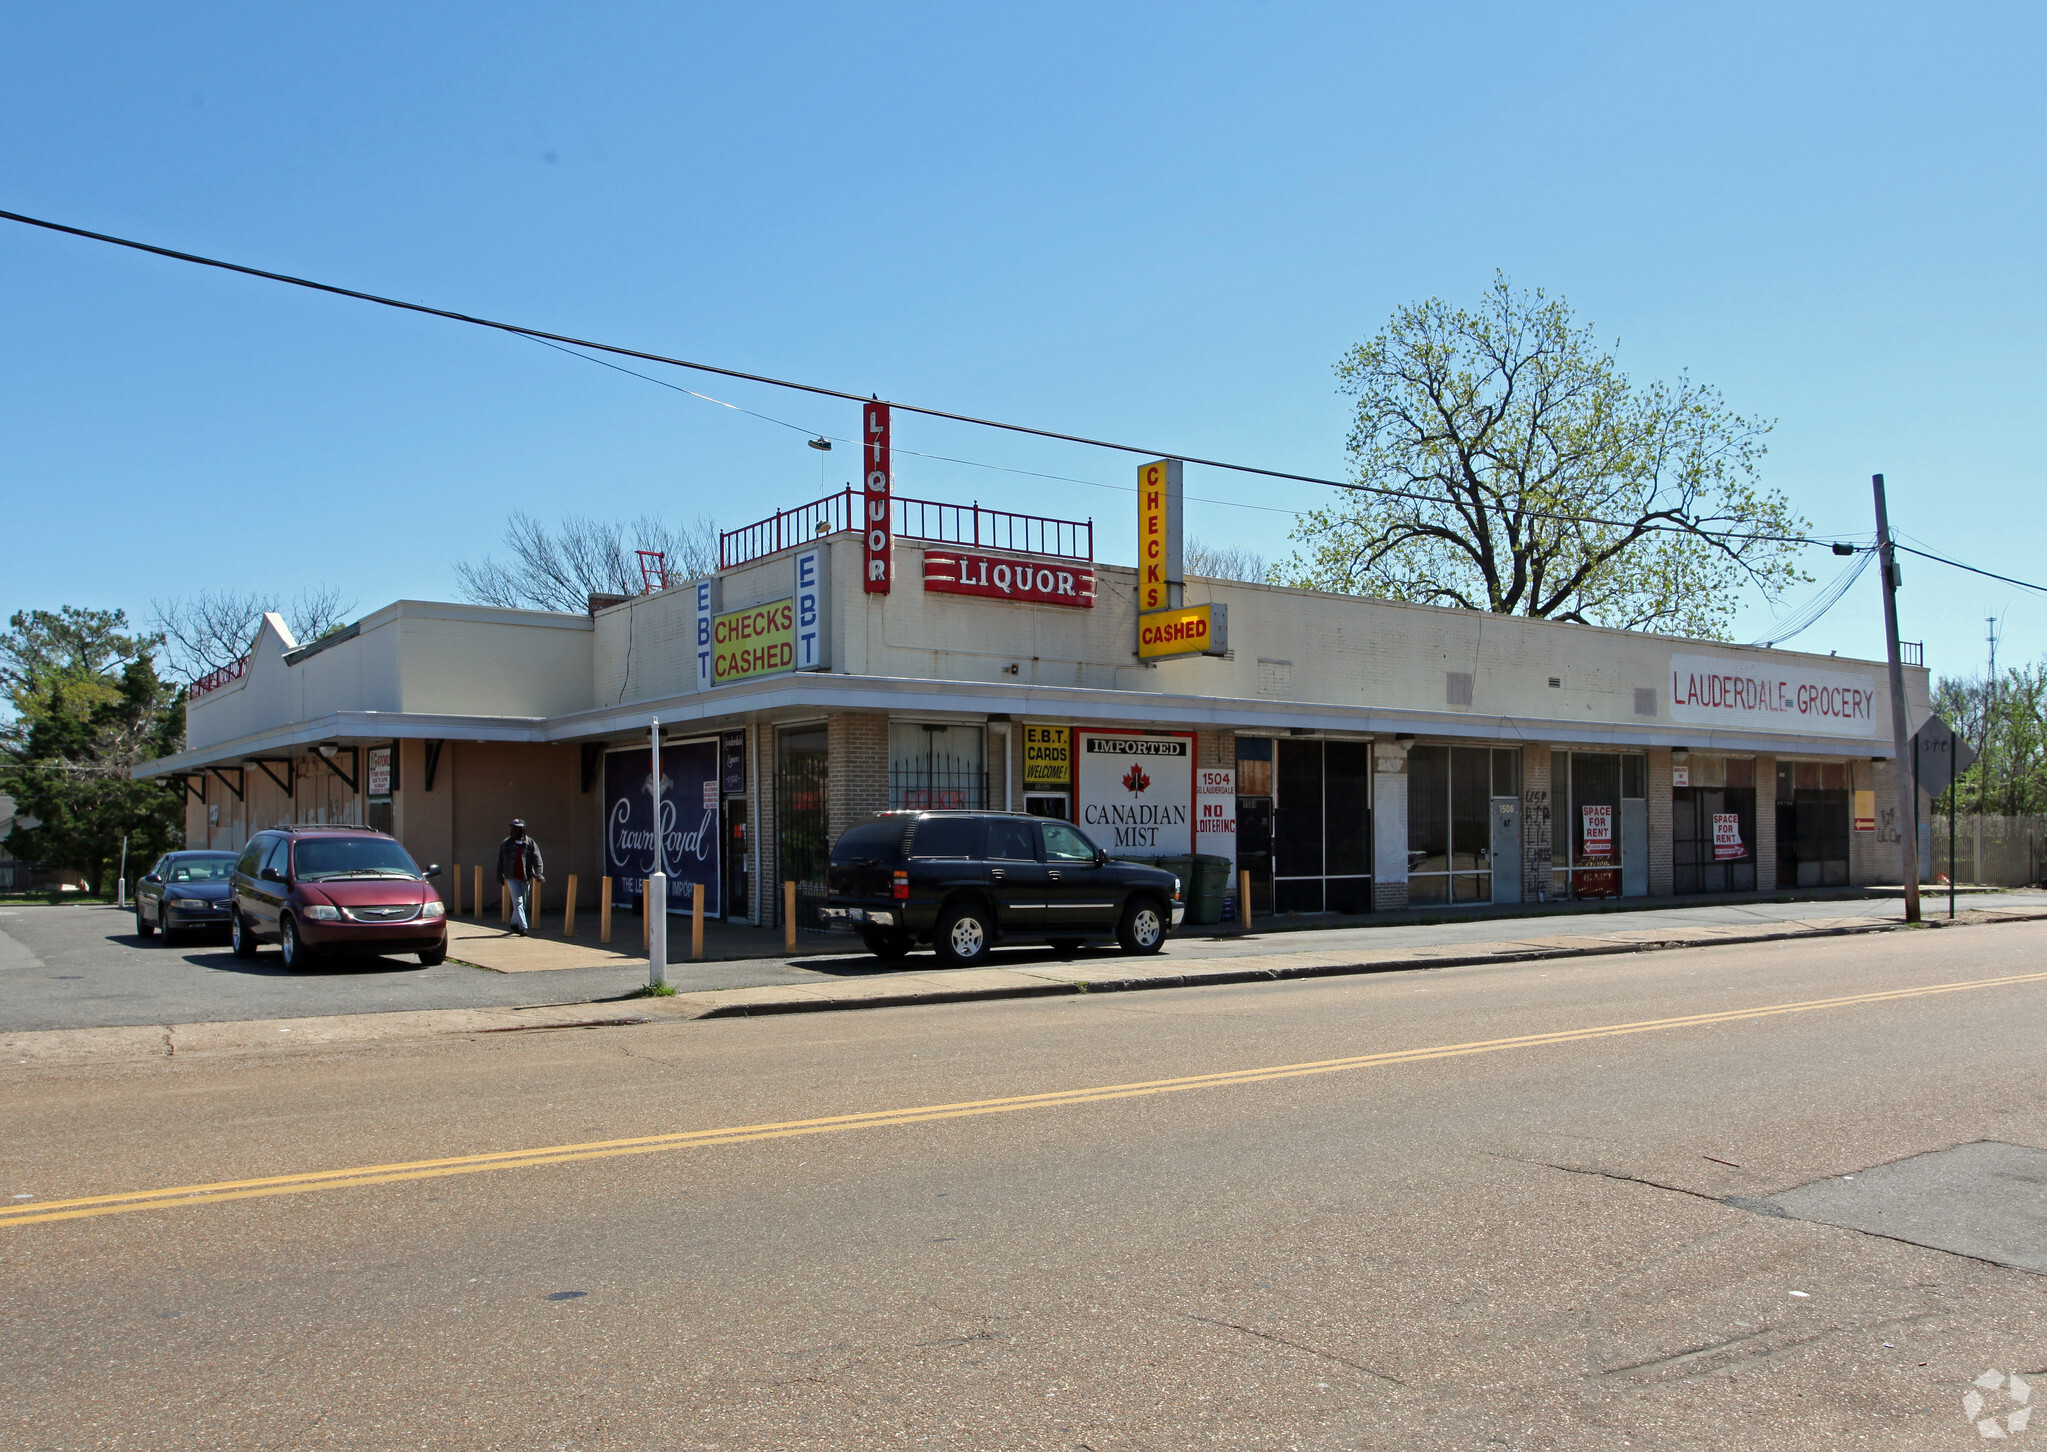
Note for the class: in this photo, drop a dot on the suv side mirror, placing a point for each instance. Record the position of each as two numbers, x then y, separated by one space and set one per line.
1101 857
271 874
433 869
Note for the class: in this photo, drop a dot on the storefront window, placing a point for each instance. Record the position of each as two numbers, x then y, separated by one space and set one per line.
936 766
1322 826
1449 820
1598 836
1713 826
802 772
1812 824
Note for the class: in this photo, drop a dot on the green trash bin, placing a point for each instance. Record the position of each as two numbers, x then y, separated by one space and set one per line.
1211 885
1182 868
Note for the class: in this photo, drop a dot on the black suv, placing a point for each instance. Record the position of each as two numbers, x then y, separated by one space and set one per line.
962 881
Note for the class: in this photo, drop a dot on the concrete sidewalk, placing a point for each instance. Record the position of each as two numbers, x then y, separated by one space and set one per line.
1100 973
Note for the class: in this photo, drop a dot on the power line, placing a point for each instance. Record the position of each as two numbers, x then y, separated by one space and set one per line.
823 392
1957 564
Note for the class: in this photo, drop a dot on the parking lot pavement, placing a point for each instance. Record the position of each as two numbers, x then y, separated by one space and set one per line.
83 967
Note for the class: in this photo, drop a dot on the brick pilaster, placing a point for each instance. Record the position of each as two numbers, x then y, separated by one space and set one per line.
858 783
1662 876
1766 824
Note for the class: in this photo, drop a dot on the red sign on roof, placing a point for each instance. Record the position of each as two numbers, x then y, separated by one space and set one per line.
1036 581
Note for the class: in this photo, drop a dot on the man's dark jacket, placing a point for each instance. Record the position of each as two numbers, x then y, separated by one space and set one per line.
506 849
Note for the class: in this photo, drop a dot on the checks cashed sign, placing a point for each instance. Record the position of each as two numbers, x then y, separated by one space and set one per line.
1136 791
1764 696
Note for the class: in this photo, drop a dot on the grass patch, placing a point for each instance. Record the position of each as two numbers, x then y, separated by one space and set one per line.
653 990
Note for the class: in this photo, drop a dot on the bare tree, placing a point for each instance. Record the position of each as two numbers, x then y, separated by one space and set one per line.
559 568
214 628
1223 562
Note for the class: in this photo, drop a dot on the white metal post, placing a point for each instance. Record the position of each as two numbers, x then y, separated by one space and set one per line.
655 902
121 890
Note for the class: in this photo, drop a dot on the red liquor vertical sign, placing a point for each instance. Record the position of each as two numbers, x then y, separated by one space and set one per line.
877 498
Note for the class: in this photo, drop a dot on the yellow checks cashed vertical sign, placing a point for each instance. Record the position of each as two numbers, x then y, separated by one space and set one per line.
1158 534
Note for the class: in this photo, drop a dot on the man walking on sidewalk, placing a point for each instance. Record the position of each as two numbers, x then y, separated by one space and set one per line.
519 867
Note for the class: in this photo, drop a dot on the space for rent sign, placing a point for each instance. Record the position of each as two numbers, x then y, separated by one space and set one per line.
1765 696
1136 791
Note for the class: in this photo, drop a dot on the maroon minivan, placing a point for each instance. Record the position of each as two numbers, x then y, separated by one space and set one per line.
318 890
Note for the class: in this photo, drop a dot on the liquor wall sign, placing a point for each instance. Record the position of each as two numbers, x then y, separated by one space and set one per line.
1033 580
1136 791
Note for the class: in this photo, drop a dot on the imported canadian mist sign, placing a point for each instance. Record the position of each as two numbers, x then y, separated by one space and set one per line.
1136 791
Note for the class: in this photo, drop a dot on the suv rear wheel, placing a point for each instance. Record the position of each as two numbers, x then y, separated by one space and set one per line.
244 939
891 945
1143 928
963 936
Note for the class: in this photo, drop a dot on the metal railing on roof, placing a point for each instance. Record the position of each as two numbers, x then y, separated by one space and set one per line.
918 519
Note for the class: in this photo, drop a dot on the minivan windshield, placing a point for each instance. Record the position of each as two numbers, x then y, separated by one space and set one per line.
321 859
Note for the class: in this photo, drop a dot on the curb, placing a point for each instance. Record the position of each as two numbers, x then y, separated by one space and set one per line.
162 1043
1285 972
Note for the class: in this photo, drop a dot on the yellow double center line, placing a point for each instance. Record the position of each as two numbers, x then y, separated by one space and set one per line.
96 1205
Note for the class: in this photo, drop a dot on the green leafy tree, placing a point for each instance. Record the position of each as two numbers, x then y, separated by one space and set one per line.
2008 728
86 706
1530 476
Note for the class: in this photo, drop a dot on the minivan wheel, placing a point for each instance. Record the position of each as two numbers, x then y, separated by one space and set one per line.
296 954
244 940
1143 929
963 937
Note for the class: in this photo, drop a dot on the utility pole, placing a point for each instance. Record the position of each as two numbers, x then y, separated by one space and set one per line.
1983 748
1908 843
654 894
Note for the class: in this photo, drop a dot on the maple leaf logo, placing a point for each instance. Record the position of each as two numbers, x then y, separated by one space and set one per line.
1135 780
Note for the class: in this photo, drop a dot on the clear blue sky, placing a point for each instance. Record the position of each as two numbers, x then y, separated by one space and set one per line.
1156 223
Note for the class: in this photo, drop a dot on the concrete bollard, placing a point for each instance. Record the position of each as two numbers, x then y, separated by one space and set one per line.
505 903
789 917
696 924
603 909
476 897
1244 901
569 910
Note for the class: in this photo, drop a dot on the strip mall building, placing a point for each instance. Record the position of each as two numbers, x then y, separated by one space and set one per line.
1351 754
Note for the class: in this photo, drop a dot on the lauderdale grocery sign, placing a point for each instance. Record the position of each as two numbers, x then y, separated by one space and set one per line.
1707 691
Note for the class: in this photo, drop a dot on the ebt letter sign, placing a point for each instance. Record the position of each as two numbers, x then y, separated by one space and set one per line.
1765 696
1136 791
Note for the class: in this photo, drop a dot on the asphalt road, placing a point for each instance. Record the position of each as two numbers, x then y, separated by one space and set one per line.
1526 1206
83 967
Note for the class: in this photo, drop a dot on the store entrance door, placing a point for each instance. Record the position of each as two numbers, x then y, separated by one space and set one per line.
1506 849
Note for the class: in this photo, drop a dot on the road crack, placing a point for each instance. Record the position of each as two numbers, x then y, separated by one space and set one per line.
1389 1379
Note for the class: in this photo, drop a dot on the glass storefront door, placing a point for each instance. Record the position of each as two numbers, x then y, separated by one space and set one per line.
1450 793
1713 826
1602 810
